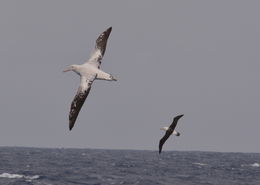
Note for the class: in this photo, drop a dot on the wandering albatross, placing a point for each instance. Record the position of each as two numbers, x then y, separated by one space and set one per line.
88 72
169 131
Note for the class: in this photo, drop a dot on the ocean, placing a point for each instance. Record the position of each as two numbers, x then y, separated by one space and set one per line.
40 166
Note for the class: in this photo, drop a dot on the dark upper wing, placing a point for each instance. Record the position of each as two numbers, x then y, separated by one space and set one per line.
100 48
79 99
163 139
76 105
101 41
175 120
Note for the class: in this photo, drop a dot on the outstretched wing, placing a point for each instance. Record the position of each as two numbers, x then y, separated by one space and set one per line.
79 99
100 48
163 139
175 120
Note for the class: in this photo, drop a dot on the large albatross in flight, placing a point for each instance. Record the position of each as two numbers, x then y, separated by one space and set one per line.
169 131
88 72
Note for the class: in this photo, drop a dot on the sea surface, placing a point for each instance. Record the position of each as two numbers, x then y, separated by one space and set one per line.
39 166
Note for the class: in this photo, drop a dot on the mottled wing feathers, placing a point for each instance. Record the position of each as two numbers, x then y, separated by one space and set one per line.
76 105
101 41
100 48
79 99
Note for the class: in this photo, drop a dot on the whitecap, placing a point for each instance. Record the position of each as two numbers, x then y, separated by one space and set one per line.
18 176
255 165
32 177
200 164
11 176
252 165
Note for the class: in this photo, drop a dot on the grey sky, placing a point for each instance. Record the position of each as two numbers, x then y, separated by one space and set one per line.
197 58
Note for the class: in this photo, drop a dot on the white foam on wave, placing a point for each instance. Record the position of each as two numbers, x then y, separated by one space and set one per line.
255 165
11 176
200 164
18 176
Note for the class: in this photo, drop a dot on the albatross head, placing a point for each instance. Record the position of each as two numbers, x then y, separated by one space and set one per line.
112 78
71 68
164 128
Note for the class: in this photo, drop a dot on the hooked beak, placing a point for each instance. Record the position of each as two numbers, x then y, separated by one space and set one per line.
113 78
67 69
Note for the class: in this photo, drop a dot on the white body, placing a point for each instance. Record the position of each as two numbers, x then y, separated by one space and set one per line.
167 128
86 70
90 70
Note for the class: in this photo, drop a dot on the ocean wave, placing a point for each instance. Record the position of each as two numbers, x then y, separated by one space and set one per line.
19 176
128 167
255 165
200 164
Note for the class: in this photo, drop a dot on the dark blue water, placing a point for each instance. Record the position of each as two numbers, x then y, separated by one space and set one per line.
19 166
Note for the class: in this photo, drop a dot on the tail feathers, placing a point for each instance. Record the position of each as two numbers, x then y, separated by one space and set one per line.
176 133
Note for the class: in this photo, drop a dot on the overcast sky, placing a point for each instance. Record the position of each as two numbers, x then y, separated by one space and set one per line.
197 58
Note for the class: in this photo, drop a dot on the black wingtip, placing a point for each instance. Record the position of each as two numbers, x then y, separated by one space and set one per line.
108 31
70 126
179 116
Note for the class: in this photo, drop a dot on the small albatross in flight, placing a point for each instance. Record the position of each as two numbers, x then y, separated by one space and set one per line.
169 131
88 72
